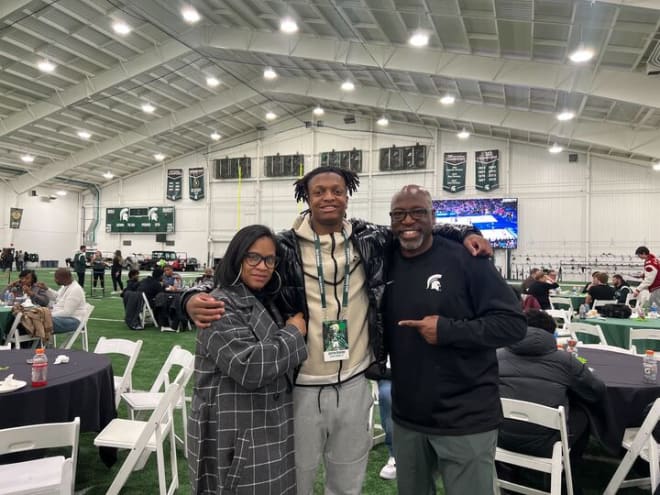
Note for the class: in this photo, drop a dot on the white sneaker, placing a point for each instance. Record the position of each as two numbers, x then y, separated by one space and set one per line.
389 470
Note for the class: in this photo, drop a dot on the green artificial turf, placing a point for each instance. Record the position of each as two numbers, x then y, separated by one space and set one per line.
93 477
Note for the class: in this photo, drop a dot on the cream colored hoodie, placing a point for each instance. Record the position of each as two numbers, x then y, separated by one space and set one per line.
315 371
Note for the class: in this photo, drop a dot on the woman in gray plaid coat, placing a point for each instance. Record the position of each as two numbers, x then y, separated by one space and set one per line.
240 429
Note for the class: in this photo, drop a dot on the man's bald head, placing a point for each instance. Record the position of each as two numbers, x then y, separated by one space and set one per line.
413 191
63 276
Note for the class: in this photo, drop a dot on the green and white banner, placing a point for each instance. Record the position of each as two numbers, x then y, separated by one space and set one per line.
196 183
453 174
15 216
487 170
174 184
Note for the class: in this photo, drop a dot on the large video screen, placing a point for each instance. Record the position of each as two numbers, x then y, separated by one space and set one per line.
497 218
148 219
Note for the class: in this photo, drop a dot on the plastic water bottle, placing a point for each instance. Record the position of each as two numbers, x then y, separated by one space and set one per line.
654 310
650 367
582 312
575 290
39 368
9 298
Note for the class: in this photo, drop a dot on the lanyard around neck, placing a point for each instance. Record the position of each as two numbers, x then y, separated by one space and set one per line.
319 270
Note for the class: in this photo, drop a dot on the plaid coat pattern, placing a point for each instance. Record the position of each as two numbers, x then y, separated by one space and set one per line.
240 428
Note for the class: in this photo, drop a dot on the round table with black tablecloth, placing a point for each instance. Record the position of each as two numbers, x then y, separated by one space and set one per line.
83 387
625 400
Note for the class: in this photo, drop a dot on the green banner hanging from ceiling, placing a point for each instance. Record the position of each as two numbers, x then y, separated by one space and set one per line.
174 184
196 183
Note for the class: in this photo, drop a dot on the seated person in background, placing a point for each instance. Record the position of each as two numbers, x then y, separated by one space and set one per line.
69 307
600 290
171 281
593 282
151 285
526 284
621 288
541 287
133 281
27 285
534 370
206 278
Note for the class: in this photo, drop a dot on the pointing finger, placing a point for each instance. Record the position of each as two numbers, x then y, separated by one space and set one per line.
410 323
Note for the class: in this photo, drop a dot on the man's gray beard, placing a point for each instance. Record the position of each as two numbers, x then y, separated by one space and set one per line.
410 245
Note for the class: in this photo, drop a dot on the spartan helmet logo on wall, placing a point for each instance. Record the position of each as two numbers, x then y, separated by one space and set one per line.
433 282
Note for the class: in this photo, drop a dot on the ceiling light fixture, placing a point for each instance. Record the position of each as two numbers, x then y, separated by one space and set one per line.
447 99
61 193
269 73
271 116
581 55
656 166
318 111
215 136
419 38
27 158
288 25
190 14
120 27
555 148
382 121
108 175
84 135
46 66
148 108
464 134
565 115
212 82
347 86
159 157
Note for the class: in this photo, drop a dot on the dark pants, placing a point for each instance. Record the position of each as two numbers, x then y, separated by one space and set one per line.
116 280
99 276
81 278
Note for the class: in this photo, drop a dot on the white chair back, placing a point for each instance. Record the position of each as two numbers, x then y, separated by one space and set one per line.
586 328
562 318
128 348
147 312
551 418
14 336
565 303
642 334
80 330
602 302
53 474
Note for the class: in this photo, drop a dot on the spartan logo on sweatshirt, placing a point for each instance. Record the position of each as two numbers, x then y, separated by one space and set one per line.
433 282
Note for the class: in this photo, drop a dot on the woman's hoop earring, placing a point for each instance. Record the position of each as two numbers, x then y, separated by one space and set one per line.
279 284
238 277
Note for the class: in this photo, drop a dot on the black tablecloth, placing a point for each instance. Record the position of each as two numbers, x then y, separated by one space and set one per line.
626 398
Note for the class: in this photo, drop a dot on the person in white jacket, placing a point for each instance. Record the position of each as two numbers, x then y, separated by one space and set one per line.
69 307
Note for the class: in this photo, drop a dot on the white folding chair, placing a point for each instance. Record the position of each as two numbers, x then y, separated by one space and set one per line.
639 442
631 300
148 401
549 417
145 436
586 328
80 330
602 302
642 334
563 319
147 312
49 475
565 303
15 337
376 429
128 348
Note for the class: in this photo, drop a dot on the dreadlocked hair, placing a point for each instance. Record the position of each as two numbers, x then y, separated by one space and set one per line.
301 190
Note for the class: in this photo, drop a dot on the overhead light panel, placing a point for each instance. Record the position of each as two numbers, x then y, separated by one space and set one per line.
215 136
61 193
271 116
190 14
565 115
464 134
288 25
159 157
212 82
269 73
108 175
555 148
382 121
318 111
419 38
121 28
148 108
347 86
27 158
84 135
656 166
447 99
46 66
581 55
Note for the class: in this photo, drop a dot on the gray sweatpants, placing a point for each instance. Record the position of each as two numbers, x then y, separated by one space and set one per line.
333 422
